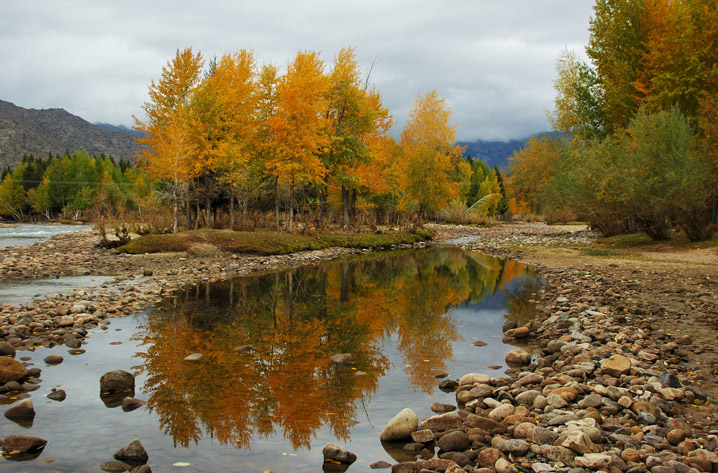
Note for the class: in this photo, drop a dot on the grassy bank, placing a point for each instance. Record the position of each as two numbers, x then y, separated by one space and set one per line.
264 242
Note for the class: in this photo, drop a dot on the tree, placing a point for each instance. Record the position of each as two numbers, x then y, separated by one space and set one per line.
299 126
532 168
432 170
167 148
13 200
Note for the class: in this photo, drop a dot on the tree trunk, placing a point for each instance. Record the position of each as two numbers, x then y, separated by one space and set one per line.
231 212
276 200
345 207
291 207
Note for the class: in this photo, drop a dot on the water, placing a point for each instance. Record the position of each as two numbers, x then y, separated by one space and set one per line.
405 319
24 234
21 292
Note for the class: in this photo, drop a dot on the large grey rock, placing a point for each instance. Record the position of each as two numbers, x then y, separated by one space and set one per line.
117 381
400 426
513 446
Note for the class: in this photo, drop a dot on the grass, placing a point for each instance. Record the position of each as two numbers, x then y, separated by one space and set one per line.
265 242
635 240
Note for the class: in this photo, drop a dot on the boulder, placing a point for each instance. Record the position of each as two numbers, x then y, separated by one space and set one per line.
500 412
456 441
513 446
114 466
400 426
580 443
194 357
57 395
422 436
488 457
337 454
20 447
474 378
593 461
11 370
130 404
616 365
503 466
117 381
489 426
53 359
133 453
22 411
448 421
518 357
7 350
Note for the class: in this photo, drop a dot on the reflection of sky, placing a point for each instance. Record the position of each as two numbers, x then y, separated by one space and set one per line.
84 433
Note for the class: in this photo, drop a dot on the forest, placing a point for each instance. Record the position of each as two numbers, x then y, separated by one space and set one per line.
231 144
639 144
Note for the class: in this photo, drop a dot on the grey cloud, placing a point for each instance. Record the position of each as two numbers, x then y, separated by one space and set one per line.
493 61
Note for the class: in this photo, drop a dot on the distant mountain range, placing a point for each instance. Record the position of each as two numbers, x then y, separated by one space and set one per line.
39 132
493 153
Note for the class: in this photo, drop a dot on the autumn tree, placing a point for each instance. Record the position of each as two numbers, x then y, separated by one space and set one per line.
432 170
299 127
167 146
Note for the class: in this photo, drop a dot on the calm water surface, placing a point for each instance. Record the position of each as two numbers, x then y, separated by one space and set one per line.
24 234
404 317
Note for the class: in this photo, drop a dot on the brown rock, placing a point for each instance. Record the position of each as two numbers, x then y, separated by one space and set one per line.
567 393
11 370
676 436
616 365
488 456
518 357
631 455
491 427
117 381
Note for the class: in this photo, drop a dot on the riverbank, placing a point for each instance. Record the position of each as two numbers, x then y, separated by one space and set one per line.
623 377
651 307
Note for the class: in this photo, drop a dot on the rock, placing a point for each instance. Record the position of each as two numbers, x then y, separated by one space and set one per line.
667 379
474 378
7 350
616 365
527 397
556 401
336 453
114 466
592 400
580 443
456 441
343 358
21 412
554 346
448 421
479 343
11 370
631 455
442 408
503 466
594 461
423 436
53 359
57 395
18 447
557 454
194 357
130 404
646 418
489 426
488 457
380 465
513 446
500 412
400 426
448 385
117 381
518 357
406 467
524 430
133 453
518 332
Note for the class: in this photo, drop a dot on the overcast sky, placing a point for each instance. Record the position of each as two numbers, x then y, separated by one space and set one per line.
493 60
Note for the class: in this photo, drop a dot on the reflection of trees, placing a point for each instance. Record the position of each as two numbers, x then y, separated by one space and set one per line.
295 321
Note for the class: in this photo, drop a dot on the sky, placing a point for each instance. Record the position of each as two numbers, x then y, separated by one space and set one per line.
492 60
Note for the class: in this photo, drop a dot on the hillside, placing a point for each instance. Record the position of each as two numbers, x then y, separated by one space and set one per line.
493 153
37 132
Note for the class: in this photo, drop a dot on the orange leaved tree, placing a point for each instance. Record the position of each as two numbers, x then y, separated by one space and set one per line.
167 148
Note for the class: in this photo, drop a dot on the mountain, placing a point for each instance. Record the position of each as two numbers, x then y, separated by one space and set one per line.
39 132
493 153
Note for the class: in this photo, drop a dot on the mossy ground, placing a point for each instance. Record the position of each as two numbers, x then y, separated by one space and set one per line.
266 242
